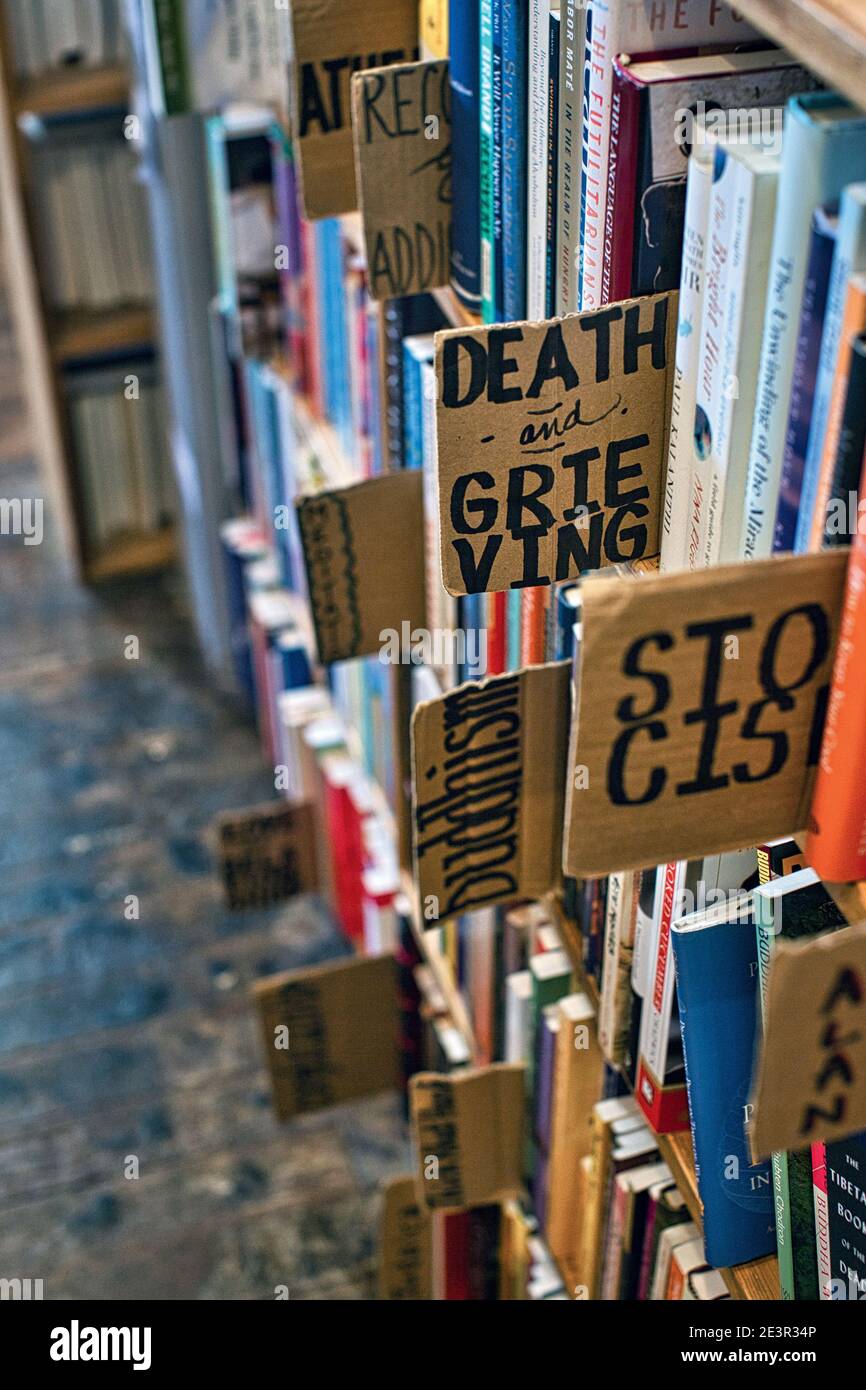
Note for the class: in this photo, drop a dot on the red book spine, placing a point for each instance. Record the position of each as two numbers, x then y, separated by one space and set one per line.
497 621
622 188
456 1241
836 843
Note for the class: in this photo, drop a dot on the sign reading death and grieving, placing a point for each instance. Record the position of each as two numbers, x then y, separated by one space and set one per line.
332 39
811 1076
468 1135
488 788
402 132
267 853
364 556
330 1033
700 709
405 1244
552 441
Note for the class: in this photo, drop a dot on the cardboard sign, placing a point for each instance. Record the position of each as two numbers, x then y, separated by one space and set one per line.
402 132
552 440
405 1251
700 710
488 788
811 1078
468 1135
332 40
267 853
330 1033
364 557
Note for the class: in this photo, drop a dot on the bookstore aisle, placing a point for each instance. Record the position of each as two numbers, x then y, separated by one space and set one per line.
138 1150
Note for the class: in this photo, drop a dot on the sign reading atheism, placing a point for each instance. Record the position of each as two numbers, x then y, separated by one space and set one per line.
332 39
552 440
700 710
402 133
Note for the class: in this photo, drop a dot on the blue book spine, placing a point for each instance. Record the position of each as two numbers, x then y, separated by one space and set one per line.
805 377
486 159
514 135
584 147
412 441
552 163
464 34
497 273
717 990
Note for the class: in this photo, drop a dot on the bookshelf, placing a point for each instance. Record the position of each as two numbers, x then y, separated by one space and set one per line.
51 341
828 36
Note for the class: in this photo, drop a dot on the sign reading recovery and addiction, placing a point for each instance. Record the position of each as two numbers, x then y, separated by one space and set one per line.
700 710
552 439
402 133
332 39
488 787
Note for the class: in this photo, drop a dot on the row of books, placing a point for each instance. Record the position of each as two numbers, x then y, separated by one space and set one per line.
91 218
117 422
46 35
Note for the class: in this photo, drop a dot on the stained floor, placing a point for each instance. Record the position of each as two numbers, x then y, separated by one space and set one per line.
128 1039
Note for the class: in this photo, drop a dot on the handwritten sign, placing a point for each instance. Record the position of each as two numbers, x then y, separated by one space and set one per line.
402 133
700 710
364 556
468 1136
330 1033
551 444
811 1077
488 786
332 39
405 1250
267 853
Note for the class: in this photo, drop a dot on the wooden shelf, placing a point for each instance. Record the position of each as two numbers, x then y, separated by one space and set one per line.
94 333
827 36
72 90
132 554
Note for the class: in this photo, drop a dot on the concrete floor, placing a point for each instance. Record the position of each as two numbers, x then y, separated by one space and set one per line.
126 1039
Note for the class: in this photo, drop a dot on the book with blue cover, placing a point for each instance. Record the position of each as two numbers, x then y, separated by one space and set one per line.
716 958
515 21
464 30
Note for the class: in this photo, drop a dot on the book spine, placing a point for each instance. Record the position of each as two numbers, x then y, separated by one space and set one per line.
812 519
536 181
497 269
568 171
594 151
822 1220
514 33
552 166
679 536
779 1161
804 384
172 47
464 30
625 120
842 504
486 157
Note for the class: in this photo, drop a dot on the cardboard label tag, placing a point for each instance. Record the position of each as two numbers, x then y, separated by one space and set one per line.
468 1136
552 441
701 704
364 557
811 1075
332 39
267 853
405 1264
488 787
402 131
330 1033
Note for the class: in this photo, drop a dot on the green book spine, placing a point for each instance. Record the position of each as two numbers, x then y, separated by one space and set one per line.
485 115
171 39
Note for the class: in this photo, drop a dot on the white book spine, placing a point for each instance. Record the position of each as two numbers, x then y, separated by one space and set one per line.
678 483
536 180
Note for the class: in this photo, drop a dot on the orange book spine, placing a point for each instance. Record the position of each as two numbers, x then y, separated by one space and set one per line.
533 610
836 843
853 322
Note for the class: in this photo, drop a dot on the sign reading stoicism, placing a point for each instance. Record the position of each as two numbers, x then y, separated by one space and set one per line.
468 1136
488 786
700 709
364 557
330 1033
402 132
811 1075
267 853
552 439
332 39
